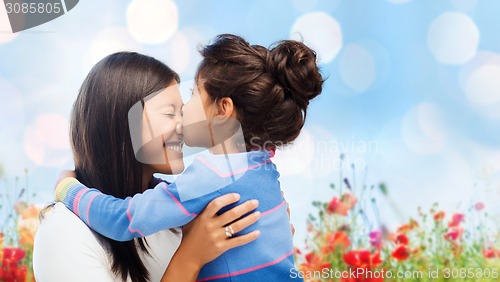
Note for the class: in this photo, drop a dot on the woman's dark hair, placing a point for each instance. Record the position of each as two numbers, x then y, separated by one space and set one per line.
101 142
270 88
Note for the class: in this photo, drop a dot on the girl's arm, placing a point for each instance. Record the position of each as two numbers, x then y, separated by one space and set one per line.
124 219
204 238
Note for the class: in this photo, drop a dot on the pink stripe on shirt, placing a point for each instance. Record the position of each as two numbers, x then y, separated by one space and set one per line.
76 201
130 220
248 269
181 207
273 209
88 208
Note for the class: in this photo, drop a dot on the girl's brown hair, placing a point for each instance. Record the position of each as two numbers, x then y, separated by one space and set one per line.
101 142
270 88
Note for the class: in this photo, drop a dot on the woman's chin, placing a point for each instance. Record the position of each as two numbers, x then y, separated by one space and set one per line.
177 169
174 167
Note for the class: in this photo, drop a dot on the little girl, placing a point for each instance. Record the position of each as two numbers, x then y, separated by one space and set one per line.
247 101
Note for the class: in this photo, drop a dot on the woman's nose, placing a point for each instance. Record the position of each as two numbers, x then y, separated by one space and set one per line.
178 128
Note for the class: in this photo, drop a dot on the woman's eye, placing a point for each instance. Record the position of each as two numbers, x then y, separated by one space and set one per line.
170 115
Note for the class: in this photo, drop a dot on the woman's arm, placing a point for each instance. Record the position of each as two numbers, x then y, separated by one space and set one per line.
204 239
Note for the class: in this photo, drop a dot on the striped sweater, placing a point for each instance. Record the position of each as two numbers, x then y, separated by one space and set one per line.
251 174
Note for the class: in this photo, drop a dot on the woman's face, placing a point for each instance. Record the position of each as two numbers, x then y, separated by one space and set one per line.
161 132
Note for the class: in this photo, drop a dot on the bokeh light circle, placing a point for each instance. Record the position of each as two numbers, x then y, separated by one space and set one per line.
321 32
357 67
479 80
53 130
453 38
295 159
423 129
152 21
483 85
32 147
109 41
46 141
179 52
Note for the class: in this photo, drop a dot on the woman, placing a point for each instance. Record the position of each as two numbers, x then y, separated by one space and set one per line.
65 248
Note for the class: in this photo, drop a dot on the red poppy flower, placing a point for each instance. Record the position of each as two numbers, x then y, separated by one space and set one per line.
336 240
297 251
490 253
314 263
11 269
343 205
456 219
439 216
338 207
404 228
349 199
401 239
453 234
13 274
13 254
362 259
401 252
478 206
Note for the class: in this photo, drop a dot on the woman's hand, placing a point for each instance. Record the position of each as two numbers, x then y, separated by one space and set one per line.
204 239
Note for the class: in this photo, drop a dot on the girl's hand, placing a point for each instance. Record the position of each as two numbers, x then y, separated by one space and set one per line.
204 239
63 175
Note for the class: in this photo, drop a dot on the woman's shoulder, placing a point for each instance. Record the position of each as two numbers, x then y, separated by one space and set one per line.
59 222
62 231
64 246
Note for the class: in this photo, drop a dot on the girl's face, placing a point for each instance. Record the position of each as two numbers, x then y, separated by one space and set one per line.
196 123
161 132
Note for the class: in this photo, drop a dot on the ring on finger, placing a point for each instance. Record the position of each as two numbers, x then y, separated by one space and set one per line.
229 231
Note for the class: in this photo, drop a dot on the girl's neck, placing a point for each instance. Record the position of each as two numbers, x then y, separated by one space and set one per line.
233 145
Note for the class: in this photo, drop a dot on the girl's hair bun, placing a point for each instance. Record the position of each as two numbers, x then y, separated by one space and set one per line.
294 66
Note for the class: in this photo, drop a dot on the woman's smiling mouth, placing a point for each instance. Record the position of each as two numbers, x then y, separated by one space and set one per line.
174 146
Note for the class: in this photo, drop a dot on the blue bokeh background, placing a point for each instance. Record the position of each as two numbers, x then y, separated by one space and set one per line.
412 97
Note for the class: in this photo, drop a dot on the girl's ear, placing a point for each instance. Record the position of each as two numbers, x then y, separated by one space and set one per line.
226 110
